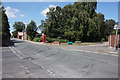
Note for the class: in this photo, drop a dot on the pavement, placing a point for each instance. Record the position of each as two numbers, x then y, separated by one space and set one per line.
102 48
32 60
96 48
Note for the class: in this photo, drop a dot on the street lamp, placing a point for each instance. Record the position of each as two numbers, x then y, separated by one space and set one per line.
116 27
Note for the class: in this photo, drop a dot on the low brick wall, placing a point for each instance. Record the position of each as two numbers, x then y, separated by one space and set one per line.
112 41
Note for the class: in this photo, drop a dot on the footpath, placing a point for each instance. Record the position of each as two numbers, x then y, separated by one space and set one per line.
96 48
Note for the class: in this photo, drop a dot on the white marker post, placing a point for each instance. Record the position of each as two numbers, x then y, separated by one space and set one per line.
116 27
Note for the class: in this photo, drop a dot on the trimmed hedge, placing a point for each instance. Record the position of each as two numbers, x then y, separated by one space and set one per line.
49 40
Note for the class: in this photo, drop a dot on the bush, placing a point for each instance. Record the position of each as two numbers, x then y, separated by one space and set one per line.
49 40
15 34
37 39
38 35
55 39
77 41
102 40
63 41
29 38
106 38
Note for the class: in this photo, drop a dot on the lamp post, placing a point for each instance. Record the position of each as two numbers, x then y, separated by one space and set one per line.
116 27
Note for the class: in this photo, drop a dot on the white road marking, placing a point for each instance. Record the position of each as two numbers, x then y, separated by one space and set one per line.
49 71
15 52
27 71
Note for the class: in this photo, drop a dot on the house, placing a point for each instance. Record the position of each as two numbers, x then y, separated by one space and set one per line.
22 35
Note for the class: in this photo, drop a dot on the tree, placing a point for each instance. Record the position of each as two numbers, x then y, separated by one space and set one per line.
79 21
31 30
5 27
19 26
15 34
109 25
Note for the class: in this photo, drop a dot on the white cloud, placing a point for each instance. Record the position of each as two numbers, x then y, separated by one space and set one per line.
16 10
25 23
44 12
11 12
52 6
8 8
22 15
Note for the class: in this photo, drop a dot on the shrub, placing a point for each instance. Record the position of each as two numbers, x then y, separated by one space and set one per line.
49 40
29 38
102 40
37 39
38 35
77 41
55 39
15 34
106 38
63 41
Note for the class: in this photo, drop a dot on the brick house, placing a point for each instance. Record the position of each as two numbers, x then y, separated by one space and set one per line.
22 35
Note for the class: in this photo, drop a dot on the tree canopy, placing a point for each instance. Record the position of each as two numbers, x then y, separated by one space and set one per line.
31 29
79 21
19 26
5 27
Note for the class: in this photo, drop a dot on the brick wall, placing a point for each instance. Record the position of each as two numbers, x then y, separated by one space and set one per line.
24 36
112 40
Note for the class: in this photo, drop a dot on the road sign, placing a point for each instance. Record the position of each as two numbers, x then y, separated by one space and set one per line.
116 27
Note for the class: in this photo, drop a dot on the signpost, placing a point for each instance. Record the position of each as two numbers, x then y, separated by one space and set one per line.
116 27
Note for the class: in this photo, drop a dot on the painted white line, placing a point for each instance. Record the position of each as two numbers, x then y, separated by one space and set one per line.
11 48
49 71
19 51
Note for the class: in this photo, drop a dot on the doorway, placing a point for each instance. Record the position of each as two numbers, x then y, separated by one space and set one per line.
20 37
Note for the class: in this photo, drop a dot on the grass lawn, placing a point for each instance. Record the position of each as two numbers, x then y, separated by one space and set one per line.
84 43
80 44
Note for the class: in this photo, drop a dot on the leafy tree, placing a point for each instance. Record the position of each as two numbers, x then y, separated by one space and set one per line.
5 27
15 34
31 29
19 26
109 25
79 21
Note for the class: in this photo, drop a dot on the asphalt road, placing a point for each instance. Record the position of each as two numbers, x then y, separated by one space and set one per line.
30 60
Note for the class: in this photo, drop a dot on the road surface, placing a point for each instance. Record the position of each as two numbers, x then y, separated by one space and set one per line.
29 60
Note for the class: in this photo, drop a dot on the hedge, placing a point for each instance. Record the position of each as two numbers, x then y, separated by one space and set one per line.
37 39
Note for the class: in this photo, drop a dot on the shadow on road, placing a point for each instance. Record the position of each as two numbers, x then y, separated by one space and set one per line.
15 41
12 43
